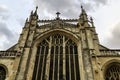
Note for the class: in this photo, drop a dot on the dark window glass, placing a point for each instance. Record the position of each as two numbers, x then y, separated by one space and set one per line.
2 73
113 72
53 45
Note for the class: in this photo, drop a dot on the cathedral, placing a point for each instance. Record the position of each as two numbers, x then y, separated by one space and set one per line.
59 49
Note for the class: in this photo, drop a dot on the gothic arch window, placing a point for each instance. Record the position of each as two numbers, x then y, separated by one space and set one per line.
113 71
56 59
2 73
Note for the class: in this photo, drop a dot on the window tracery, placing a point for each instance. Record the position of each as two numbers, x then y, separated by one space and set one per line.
113 72
60 52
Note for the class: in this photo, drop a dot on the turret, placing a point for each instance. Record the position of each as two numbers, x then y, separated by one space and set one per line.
83 19
33 20
88 33
25 43
29 28
83 14
32 27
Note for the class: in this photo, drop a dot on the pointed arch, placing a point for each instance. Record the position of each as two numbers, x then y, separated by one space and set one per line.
67 33
56 56
112 70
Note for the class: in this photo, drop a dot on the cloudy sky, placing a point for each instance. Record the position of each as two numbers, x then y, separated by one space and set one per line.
106 15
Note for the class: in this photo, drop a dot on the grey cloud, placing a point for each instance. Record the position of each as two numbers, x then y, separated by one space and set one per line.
54 4
8 34
98 2
114 40
69 8
5 31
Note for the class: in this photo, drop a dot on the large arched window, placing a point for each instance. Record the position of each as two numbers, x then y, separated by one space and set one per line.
2 73
56 59
113 71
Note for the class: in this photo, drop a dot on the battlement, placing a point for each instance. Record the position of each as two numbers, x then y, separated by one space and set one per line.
9 54
108 53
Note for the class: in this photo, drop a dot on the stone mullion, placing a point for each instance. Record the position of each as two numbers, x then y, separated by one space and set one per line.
43 62
53 63
69 62
80 61
48 60
64 66
38 63
58 61
74 62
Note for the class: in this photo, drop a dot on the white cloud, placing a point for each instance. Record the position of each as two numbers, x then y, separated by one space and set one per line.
113 40
3 8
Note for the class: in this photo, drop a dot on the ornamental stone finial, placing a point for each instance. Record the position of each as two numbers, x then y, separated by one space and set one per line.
58 13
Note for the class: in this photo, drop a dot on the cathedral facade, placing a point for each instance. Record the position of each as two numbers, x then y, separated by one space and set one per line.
59 49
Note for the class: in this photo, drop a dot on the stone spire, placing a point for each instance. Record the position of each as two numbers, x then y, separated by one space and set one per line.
83 14
91 21
31 12
83 19
35 13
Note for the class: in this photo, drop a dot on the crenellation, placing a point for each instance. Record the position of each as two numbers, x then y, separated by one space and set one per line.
9 54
